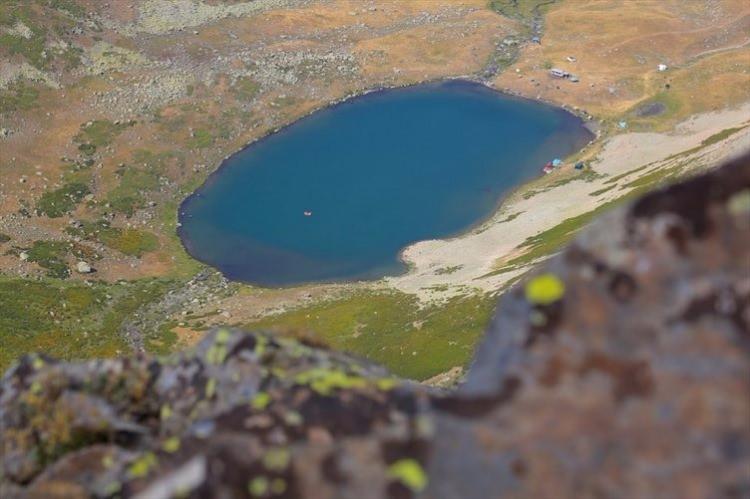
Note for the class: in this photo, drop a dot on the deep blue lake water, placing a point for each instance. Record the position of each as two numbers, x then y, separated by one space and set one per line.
338 194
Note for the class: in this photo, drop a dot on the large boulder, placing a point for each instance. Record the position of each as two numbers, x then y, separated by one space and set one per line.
83 268
621 368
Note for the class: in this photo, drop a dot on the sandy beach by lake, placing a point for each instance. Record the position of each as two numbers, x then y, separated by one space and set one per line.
444 268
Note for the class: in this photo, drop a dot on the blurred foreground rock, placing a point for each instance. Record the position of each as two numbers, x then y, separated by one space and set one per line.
621 369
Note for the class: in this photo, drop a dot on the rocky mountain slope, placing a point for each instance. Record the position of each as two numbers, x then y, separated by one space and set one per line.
620 369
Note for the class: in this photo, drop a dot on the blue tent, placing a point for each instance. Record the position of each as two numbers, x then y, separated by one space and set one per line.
556 162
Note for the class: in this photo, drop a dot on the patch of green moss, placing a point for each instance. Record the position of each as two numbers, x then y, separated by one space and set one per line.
132 242
672 107
246 89
60 201
201 139
71 320
129 241
87 149
70 7
18 96
32 49
411 339
183 265
718 137
448 270
153 160
162 340
127 198
551 240
655 178
522 10
71 56
45 18
617 178
136 181
587 175
510 217
51 317
51 255
602 191
100 133
547 242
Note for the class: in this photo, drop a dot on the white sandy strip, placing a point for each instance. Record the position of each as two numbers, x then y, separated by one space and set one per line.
477 252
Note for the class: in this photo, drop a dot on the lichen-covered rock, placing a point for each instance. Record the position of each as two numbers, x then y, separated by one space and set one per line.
621 369
240 415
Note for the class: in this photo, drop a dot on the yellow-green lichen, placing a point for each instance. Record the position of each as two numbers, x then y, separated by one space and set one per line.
37 363
112 488
210 387
537 318
165 412
424 426
108 461
293 418
277 459
258 486
217 352
223 335
544 289
143 465
739 204
35 388
325 381
260 401
260 345
410 473
172 444
386 384
278 486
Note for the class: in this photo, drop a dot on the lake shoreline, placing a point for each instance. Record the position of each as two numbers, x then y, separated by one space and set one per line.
572 133
414 259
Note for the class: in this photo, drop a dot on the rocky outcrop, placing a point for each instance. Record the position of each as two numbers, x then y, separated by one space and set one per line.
620 369
241 414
